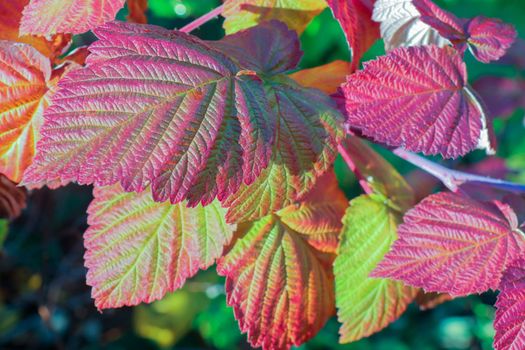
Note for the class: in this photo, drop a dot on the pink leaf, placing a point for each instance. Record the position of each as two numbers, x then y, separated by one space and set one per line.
489 38
160 107
510 314
452 244
48 17
418 98
447 24
355 17
156 106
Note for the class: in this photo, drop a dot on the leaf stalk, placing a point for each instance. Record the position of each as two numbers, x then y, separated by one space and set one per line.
202 19
453 179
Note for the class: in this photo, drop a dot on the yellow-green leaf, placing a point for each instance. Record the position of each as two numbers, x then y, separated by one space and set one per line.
242 14
367 305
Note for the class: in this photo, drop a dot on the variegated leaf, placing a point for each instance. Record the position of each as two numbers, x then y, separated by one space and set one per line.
242 14
48 17
25 81
278 274
137 250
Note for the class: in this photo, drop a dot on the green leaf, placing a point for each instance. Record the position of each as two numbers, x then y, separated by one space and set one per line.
367 305
3 231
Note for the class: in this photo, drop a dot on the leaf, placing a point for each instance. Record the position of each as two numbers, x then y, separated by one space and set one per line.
4 228
427 301
25 78
308 130
401 25
219 139
173 111
138 249
10 16
279 284
487 38
326 78
379 175
242 14
48 17
510 313
280 53
12 199
367 305
447 24
452 244
355 17
318 214
418 98
137 11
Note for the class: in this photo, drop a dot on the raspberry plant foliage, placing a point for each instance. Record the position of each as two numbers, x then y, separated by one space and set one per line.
221 152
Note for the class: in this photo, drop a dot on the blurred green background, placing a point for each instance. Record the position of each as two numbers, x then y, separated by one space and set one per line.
45 304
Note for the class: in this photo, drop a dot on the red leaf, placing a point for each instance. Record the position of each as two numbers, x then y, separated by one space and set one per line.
279 276
447 24
452 244
137 9
355 17
418 98
510 314
488 38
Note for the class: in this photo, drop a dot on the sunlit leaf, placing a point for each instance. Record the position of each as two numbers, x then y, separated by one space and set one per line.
418 98
10 16
510 313
488 38
242 14
48 17
137 250
366 305
453 244
355 17
306 137
25 81
279 284
200 126
401 25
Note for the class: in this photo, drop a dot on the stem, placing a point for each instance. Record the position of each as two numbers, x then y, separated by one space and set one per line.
202 19
348 160
452 179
